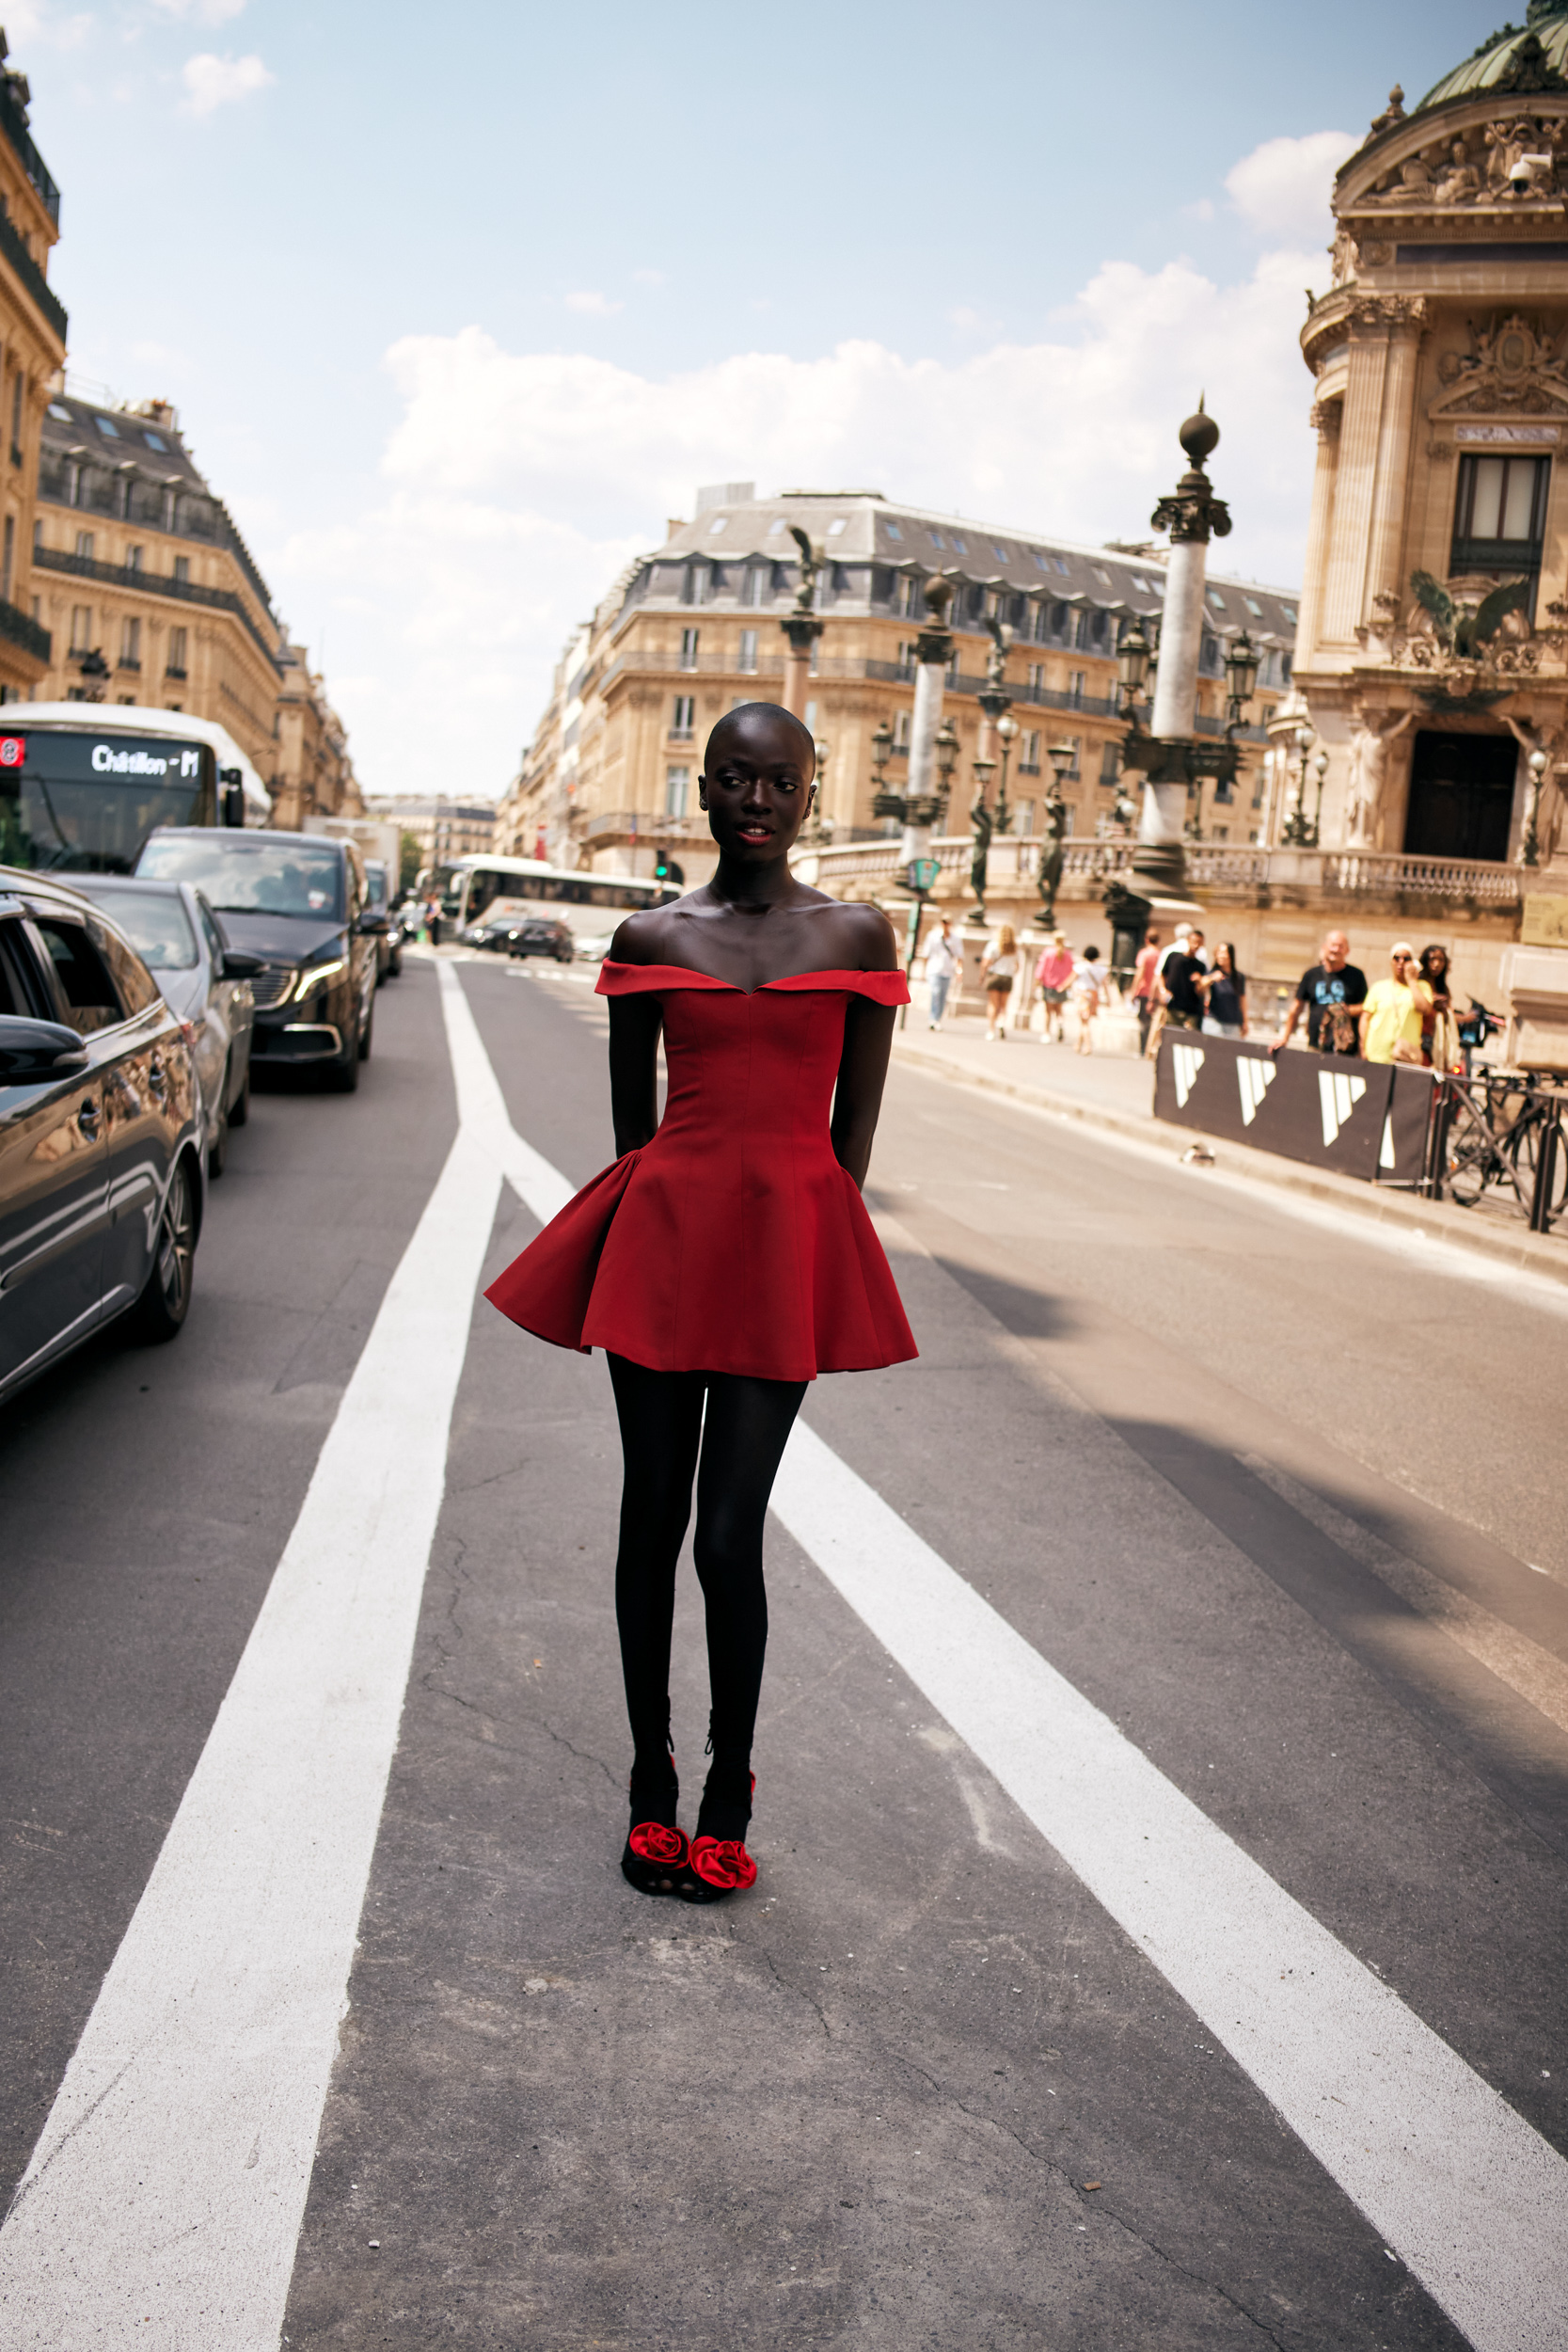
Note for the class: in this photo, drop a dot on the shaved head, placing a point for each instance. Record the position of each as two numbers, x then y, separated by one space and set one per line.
747 715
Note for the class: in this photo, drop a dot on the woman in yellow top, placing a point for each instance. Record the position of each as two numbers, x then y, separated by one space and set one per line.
1391 1015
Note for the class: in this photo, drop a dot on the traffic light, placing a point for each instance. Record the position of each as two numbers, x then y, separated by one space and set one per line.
661 866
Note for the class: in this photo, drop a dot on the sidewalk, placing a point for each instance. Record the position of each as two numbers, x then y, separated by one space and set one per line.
1113 1093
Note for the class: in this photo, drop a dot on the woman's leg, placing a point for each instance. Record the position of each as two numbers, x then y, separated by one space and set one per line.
744 1435
661 1417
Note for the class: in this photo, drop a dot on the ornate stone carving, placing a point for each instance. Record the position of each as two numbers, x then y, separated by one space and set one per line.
1377 255
1392 113
1472 639
1373 734
1516 160
1390 314
1529 70
1512 368
1325 417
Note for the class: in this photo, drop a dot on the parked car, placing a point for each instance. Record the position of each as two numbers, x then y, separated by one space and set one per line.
592 947
207 982
389 942
102 1177
509 932
295 901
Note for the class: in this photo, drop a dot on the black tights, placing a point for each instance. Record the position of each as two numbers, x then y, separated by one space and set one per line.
741 1438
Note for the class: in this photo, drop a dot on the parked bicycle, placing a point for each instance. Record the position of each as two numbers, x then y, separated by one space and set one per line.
1493 1131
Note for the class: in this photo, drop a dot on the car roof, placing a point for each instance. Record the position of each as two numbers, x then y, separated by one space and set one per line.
248 836
44 890
155 884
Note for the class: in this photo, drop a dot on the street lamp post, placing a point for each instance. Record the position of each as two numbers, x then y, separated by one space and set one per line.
801 626
1007 732
1295 832
1171 757
980 828
1052 849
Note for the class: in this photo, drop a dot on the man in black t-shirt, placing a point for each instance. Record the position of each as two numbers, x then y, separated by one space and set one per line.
1333 982
1179 976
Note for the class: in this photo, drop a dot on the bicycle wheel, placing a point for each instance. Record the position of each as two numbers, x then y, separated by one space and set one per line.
1527 1159
1471 1159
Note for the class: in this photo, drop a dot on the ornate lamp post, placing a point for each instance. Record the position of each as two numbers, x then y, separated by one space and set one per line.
1171 757
1006 729
980 829
1295 832
1529 840
801 626
1052 849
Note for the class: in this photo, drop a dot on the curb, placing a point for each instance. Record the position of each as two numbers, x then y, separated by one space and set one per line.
1424 1220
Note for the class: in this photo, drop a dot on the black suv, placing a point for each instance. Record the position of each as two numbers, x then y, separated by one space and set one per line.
101 1135
299 901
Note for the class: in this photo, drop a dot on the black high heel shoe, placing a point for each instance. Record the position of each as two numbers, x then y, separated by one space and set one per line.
719 1863
658 1853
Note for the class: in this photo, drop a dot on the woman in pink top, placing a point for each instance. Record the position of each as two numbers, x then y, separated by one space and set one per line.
1054 977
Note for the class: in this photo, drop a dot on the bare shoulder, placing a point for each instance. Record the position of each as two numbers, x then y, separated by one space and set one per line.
865 939
645 937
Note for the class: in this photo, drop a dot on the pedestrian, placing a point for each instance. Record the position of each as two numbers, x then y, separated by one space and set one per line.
1223 994
433 922
723 1261
1054 977
942 965
1179 975
1433 985
1390 1014
1144 972
1088 996
998 971
1331 990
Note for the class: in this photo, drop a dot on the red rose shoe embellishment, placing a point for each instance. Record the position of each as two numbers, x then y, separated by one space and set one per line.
656 1858
719 1867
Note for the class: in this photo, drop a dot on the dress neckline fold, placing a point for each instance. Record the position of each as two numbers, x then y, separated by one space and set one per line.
631 979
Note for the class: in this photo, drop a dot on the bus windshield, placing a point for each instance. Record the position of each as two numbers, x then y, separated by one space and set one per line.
252 873
588 903
86 803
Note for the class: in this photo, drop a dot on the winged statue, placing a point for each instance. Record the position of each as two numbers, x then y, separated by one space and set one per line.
1462 630
811 563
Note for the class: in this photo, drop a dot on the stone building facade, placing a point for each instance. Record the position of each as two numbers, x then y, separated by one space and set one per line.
611 777
443 829
32 350
1433 629
315 774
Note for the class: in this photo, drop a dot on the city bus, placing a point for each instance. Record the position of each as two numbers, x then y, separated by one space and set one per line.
587 903
83 785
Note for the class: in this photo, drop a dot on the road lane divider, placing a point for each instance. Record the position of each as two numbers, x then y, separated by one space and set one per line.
165 2196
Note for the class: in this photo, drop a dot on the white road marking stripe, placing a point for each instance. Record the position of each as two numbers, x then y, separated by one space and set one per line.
1474 2200
165 2196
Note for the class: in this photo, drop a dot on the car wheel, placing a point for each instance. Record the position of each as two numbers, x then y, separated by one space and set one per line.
239 1110
395 968
165 1299
342 1076
366 1033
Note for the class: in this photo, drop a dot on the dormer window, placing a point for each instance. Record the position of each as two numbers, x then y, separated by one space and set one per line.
1500 515
110 432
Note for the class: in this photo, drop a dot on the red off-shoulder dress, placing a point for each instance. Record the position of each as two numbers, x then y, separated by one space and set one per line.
734 1241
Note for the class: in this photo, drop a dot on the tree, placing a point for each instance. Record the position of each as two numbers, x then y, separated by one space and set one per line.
410 861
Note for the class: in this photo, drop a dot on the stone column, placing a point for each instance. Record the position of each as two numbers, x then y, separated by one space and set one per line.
801 631
933 651
1385 565
1192 515
1327 417
1362 490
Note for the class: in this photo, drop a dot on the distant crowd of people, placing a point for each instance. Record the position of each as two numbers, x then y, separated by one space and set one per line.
1409 1017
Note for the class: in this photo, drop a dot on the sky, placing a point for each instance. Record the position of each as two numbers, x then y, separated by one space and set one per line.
459 306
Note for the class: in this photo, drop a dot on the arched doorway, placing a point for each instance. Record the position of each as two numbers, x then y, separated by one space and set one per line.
1461 800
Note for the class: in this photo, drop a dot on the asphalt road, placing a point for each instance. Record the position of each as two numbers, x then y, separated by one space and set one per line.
1278 1499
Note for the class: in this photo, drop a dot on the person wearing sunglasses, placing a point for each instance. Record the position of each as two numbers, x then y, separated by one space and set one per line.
1392 1016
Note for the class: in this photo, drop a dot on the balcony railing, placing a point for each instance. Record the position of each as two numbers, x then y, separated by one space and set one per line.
24 631
150 584
631 824
32 162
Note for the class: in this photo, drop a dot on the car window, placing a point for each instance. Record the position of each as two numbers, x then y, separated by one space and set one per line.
216 945
91 1000
155 923
258 876
18 990
136 984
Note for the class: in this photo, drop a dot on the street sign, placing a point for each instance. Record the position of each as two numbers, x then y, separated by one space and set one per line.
921 873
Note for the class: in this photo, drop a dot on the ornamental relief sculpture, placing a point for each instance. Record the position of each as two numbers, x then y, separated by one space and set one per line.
1471 640
1512 368
1516 161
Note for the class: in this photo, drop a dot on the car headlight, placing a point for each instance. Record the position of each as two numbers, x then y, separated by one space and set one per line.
317 976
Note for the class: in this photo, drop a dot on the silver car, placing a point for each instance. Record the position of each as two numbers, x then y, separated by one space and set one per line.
204 980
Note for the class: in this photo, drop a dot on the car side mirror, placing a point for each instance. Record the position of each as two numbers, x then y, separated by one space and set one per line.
31 1050
237 965
371 921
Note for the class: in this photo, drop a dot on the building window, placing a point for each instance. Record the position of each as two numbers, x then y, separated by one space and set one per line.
1500 516
16 418
677 783
8 560
754 590
85 543
684 724
81 627
1077 742
692 583
1109 762
182 569
1037 676
1024 822
176 653
901 732
688 648
749 650
130 645
38 537
914 597
133 558
1030 764
1075 685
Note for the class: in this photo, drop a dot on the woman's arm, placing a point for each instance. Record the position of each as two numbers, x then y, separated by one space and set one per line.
633 1026
861 1074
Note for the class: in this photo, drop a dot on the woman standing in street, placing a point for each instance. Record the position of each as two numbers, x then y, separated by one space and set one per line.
1440 1047
998 971
942 966
1088 996
1223 994
725 1258
1054 977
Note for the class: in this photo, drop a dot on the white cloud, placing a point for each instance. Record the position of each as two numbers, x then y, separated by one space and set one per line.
592 306
200 11
517 483
212 82
649 276
1282 188
31 27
